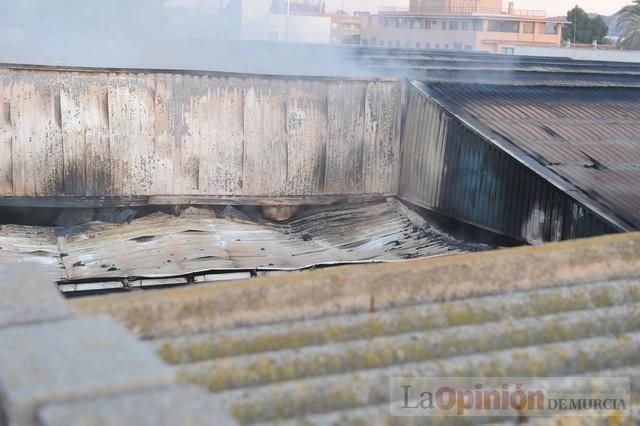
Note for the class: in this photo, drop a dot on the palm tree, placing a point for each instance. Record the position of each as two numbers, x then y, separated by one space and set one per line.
629 23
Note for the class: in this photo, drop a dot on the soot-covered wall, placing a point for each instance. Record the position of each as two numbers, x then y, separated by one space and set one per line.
100 133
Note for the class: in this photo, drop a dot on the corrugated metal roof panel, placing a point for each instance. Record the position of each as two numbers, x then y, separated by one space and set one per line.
162 246
587 136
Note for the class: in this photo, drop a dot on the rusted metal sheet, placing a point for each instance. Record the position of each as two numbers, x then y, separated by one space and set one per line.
457 167
160 246
116 134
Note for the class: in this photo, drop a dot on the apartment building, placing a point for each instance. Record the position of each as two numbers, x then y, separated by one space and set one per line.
443 6
345 29
481 25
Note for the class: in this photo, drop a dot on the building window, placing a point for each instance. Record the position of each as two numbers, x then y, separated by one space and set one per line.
466 25
398 22
418 45
446 46
478 25
528 27
504 26
444 25
407 45
453 25
373 41
390 44
550 28
382 43
397 44
430 24
365 42
427 46
437 45
457 45
468 47
508 50
386 22
416 24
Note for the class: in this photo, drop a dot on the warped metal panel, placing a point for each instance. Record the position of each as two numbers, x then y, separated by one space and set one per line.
162 246
165 246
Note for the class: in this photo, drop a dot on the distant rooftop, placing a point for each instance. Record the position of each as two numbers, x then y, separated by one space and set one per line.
466 10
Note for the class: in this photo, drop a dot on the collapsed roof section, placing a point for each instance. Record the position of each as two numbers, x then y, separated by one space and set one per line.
164 249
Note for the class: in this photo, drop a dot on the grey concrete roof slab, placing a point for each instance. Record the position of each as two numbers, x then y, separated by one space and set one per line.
69 360
27 296
178 405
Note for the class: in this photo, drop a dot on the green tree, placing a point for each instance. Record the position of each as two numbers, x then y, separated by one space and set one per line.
629 24
584 28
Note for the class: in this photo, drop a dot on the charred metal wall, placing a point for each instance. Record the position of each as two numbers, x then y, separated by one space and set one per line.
92 133
452 170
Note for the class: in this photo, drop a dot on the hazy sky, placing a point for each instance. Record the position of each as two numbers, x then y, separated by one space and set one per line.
553 7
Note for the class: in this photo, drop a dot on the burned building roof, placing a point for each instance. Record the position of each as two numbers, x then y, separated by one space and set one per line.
588 137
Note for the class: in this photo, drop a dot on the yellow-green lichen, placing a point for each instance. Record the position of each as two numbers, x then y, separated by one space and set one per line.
459 314
602 298
169 354
634 294
405 321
